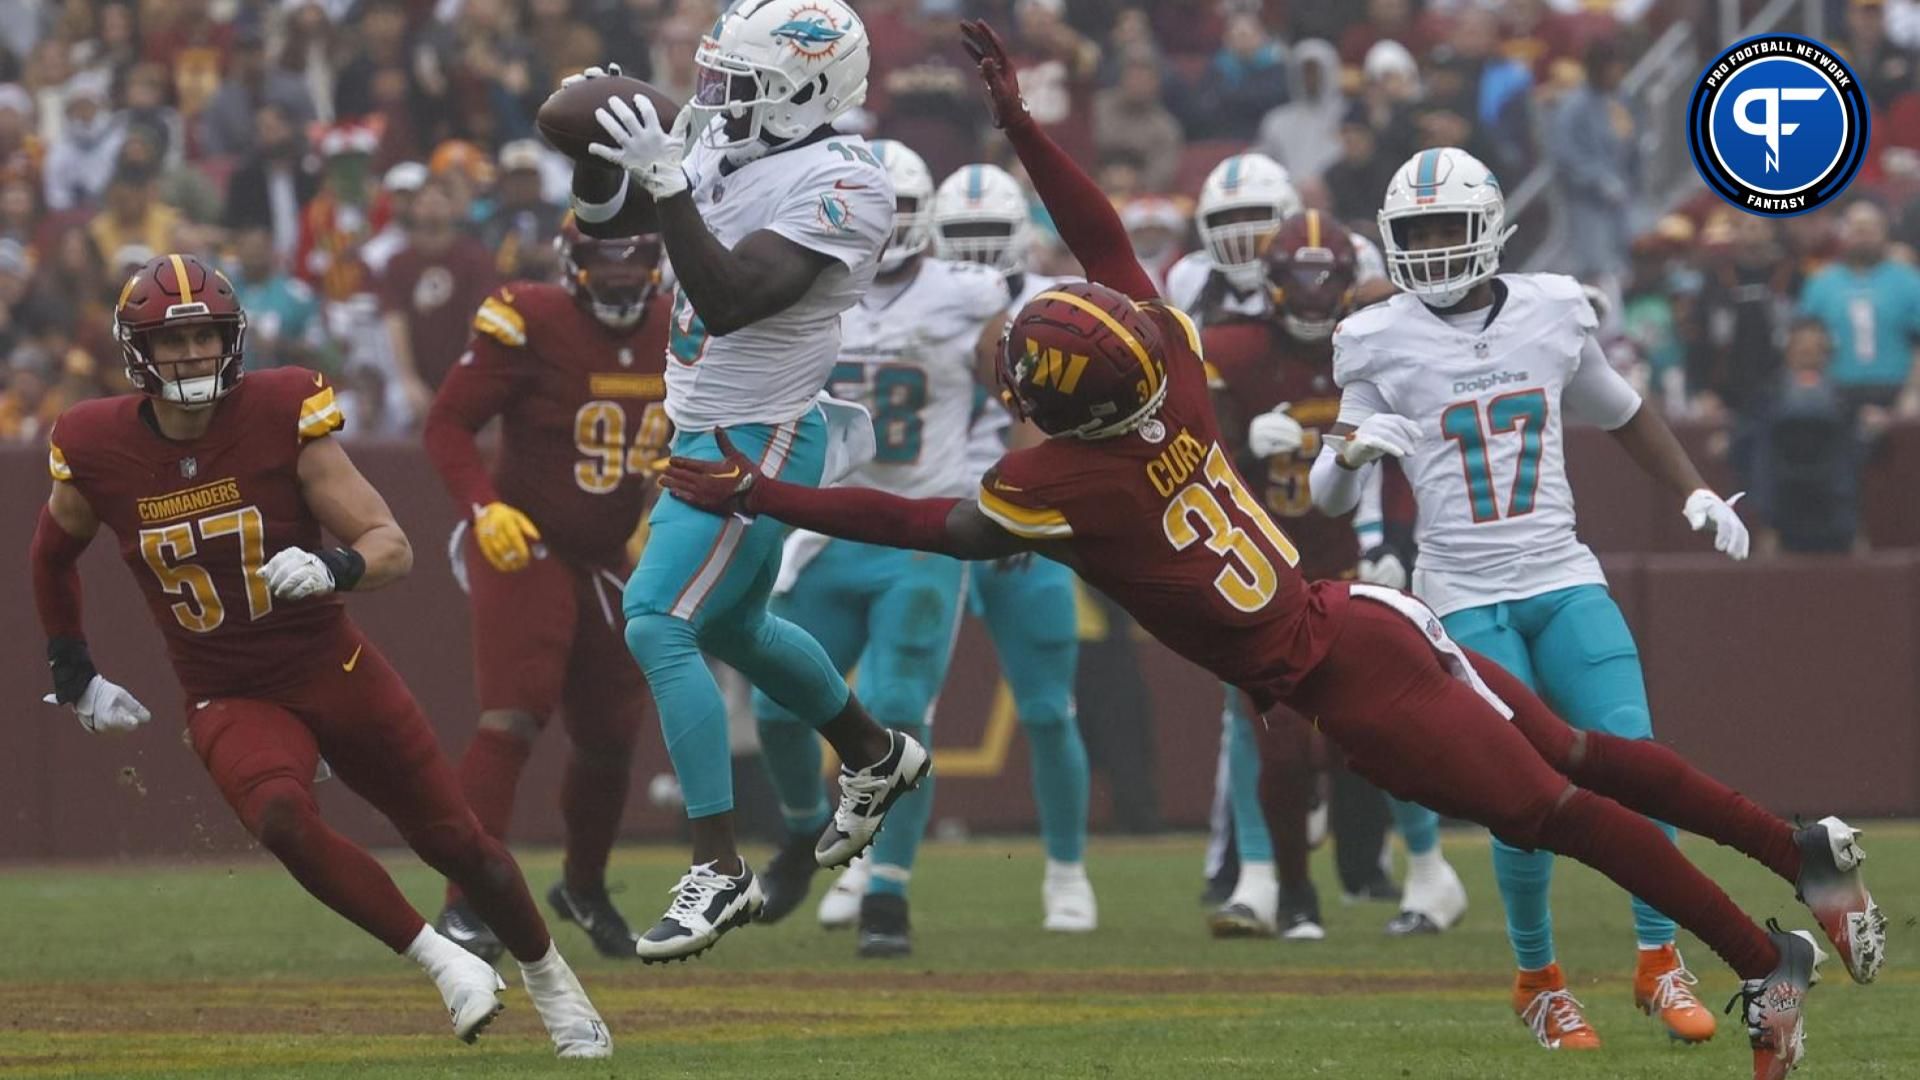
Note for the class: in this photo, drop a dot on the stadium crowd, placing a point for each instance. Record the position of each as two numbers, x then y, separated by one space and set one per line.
366 170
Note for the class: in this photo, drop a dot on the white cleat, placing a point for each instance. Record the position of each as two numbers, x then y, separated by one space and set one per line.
865 797
1433 899
1254 908
840 908
1832 888
1067 896
706 904
470 988
571 1019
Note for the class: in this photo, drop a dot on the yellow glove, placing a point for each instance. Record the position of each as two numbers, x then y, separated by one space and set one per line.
502 533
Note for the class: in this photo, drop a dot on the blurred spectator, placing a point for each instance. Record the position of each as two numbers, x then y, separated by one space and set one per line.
147 112
1130 118
1484 88
341 215
1590 142
81 160
1057 67
671 56
27 408
20 218
22 22
522 227
1358 180
230 122
269 188
308 53
1808 447
69 303
398 187
428 294
935 107
284 324
468 174
1386 20
1304 134
630 31
180 185
1739 320
381 46
1157 226
133 213
1246 80
186 38
1870 303
14 270
21 149
116 31
1660 283
1886 68
1391 94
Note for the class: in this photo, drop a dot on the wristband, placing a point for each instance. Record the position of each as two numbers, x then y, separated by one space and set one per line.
346 565
72 668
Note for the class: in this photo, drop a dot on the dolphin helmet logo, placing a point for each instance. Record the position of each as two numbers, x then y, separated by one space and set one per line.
809 32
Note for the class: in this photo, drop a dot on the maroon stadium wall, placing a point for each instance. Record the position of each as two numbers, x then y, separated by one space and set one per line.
1793 679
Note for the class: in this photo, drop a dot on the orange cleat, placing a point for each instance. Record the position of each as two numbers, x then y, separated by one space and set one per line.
1550 1012
1663 989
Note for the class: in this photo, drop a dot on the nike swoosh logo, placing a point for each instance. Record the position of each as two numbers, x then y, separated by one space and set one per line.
352 660
1002 485
842 185
727 475
319 379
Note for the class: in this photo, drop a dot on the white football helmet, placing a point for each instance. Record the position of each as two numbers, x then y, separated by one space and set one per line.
1439 182
913 210
1243 202
980 215
779 68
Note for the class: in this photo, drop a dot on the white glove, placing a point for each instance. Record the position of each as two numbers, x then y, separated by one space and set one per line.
1273 433
106 706
1705 509
296 574
641 146
1382 567
1378 436
595 72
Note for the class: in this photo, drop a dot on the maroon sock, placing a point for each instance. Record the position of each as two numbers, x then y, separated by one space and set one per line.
489 775
1658 782
1285 801
592 798
339 874
491 881
1635 854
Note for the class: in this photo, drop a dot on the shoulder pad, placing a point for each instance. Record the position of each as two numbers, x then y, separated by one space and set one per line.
500 320
1016 507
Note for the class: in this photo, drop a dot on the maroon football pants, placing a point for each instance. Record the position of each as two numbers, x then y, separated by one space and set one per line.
354 710
546 637
1415 730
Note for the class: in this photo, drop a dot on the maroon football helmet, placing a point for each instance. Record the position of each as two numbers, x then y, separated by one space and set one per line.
1082 359
1311 267
173 291
613 278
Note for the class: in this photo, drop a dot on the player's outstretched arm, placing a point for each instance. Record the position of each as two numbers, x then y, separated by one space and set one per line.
67 525
945 526
348 507
475 391
1082 212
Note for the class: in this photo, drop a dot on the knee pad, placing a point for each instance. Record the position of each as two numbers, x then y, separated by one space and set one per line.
277 812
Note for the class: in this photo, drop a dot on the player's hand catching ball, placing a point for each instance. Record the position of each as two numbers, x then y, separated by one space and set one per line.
107 706
719 487
296 574
1705 510
648 151
1380 435
989 54
502 533
612 70
1274 433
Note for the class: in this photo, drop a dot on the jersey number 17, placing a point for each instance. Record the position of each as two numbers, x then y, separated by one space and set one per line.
1524 411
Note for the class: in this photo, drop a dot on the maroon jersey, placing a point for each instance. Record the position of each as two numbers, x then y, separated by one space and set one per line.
1258 366
1159 520
197 519
583 417
435 294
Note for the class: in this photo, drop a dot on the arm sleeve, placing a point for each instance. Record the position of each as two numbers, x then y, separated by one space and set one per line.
1082 212
476 390
1337 489
845 214
1596 393
1369 519
56 578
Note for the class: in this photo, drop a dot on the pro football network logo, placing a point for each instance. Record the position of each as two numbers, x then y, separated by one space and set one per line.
809 31
1778 125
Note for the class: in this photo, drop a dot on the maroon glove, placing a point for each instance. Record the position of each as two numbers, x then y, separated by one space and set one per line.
719 487
989 54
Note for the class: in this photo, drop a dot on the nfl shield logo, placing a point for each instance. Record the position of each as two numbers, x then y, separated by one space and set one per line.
189 467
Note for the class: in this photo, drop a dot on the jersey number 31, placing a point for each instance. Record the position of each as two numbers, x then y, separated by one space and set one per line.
1249 580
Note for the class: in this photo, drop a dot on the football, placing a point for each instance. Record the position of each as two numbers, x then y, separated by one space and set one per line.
566 118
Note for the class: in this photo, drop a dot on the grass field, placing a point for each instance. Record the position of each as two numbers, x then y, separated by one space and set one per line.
227 969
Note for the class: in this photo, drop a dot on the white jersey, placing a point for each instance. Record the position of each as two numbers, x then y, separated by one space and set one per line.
907 354
1188 279
1496 518
830 196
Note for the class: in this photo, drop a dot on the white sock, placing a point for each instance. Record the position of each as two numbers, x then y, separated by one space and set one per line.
1066 871
429 949
1425 865
546 965
1260 875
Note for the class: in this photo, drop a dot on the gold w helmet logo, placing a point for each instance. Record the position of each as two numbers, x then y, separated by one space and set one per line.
1054 367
